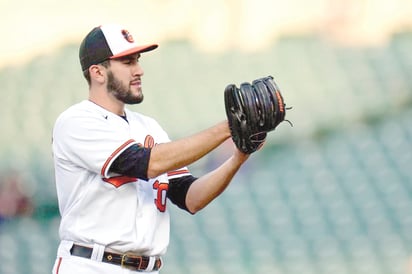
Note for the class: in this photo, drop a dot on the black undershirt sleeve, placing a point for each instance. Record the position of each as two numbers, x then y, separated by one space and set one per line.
178 188
132 162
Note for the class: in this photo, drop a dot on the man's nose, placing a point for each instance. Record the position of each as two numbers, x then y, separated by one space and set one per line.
138 70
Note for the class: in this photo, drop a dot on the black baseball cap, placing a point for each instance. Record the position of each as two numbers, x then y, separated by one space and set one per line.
108 42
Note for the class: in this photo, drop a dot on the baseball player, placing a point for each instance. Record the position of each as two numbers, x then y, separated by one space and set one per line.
116 170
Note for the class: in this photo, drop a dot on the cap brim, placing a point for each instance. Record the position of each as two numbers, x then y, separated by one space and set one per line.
134 50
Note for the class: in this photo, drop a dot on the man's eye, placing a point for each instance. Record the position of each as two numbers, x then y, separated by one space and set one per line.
130 62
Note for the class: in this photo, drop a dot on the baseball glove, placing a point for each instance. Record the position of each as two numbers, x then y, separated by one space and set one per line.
252 111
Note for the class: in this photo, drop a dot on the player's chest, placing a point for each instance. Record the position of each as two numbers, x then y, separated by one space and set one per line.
154 192
138 132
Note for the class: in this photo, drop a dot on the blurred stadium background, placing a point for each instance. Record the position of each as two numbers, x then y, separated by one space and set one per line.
330 195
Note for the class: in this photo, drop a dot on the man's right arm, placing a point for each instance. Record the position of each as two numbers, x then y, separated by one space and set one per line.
176 154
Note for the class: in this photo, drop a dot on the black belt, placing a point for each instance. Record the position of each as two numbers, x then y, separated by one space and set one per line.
137 263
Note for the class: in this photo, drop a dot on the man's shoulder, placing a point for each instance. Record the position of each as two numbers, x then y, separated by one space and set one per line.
77 111
82 107
137 116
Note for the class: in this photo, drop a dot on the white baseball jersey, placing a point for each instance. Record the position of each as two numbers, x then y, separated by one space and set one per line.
123 213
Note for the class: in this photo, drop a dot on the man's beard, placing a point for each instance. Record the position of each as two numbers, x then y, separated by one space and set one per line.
121 91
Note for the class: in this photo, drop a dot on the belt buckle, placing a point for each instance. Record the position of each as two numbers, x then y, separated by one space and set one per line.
124 264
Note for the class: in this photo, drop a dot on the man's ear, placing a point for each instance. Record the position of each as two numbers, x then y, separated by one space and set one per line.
97 73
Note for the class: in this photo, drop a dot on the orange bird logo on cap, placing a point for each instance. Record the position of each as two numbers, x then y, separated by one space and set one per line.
127 36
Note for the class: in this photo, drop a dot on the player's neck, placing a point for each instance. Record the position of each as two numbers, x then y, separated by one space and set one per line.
108 103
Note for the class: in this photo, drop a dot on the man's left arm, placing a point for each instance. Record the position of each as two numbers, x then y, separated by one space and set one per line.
206 188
